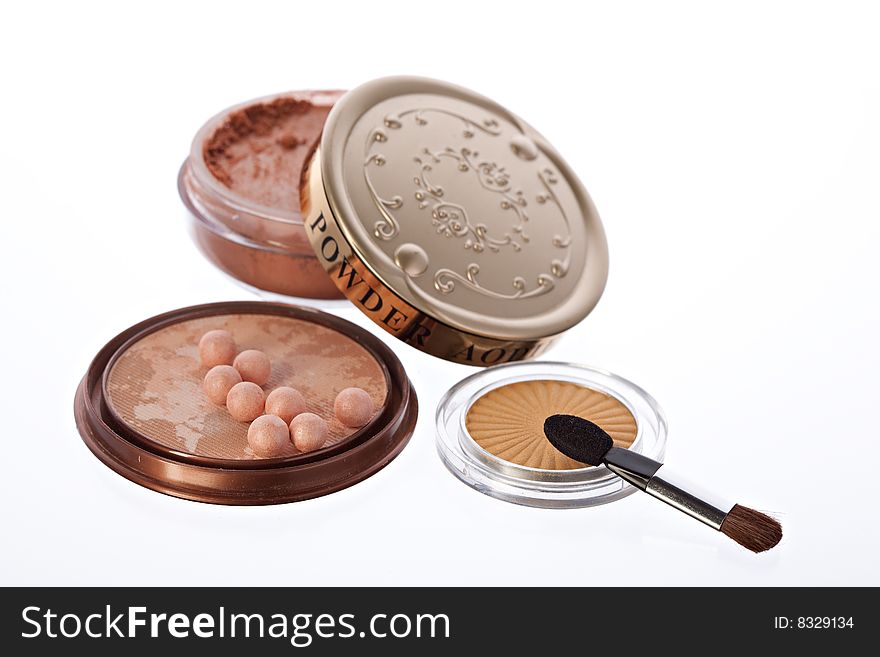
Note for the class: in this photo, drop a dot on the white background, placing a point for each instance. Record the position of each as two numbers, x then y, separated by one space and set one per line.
733 152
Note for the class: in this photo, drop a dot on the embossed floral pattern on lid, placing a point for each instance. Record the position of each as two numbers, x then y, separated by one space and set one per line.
458 210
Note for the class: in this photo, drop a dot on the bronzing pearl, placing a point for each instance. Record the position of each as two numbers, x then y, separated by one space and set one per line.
308 432
219 381
353 407
217 347
254 366
268 436
245 401
286 403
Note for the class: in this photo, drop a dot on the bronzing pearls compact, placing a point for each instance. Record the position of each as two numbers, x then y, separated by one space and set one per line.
143 408
447 221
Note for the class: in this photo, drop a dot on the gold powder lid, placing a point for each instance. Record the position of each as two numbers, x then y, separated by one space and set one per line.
452 223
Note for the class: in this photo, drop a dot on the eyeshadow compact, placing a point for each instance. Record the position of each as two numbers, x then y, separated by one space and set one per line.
490 432
447 221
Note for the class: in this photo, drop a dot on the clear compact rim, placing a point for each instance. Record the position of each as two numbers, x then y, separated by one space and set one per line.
518 484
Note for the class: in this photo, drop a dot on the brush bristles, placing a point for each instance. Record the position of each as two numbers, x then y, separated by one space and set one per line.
751 529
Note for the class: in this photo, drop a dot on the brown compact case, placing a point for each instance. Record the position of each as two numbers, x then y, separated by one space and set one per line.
131 437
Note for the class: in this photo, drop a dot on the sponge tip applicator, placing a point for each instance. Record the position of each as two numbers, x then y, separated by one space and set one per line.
578 438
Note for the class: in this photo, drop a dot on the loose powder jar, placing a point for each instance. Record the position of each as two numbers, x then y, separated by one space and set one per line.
240 184
490 432
142 409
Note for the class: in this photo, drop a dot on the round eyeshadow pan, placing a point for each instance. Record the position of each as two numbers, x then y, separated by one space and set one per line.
508 421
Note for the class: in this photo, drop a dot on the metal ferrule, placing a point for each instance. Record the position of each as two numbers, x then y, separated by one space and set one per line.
653 478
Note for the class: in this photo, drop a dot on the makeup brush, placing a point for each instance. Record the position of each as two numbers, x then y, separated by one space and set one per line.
588 443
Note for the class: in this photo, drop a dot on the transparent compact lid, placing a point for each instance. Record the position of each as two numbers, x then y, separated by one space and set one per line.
488 428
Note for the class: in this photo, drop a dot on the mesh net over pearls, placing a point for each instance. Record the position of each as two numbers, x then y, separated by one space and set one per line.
155 386
509 421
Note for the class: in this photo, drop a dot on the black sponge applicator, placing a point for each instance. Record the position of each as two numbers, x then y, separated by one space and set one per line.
578 438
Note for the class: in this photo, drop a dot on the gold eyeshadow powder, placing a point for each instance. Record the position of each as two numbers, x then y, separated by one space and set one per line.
508 421
155 385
